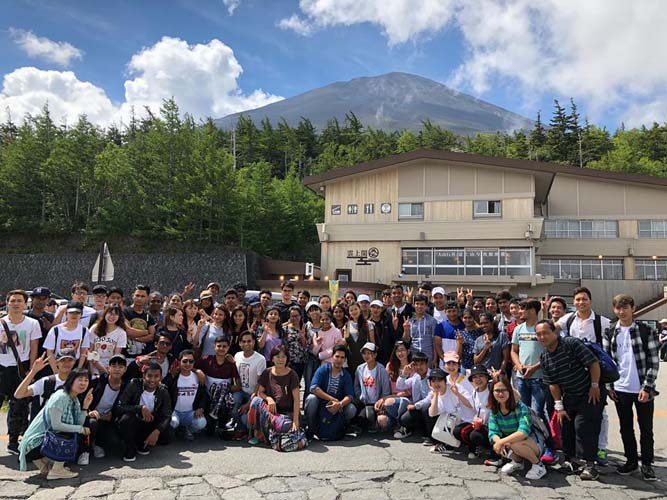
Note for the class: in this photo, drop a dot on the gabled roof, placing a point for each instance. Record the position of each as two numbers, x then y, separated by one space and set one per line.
527 165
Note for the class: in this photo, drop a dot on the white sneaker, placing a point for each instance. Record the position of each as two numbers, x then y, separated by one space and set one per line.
511 467
58 471
98 452
43 465
537 471
84 459
402 433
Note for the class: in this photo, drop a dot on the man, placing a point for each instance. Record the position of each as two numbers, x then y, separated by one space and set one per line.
265 299
387 301
69 335
115 296
380 328
634 348
231 299
371 386
100 296
572 373
287 290
145 414
504 317
584 324
162 356
447 332
43 387
139 324
417 411
515 313
662 329
331 386
214 288
79 293
418 330
241 289
250 365
439 303
302 298
155 303
395 316
525 354
222 378
40 297
189 397
553 308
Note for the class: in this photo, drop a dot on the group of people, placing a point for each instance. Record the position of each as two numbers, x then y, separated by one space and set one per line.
509 381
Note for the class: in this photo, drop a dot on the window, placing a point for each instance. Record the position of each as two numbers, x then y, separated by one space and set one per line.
467 261
335 209
449 261
344 274
486 209
651 269
369 208
594 229
576 269
410 211
653 228
352 209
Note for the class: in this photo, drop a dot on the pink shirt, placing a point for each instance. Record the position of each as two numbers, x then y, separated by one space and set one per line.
324 350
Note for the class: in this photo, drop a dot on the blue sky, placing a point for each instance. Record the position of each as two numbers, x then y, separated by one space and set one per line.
226 55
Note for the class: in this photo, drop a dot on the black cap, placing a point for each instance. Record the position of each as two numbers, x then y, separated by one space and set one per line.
437 373
40 291
97 289
419 356
74 306
115 289
478 369
118 358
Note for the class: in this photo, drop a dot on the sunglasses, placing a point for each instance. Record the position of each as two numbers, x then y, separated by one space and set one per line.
187 361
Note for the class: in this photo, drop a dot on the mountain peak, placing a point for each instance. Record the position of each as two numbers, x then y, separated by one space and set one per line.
393 101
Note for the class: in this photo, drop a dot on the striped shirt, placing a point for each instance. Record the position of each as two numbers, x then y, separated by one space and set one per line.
566 367
503 425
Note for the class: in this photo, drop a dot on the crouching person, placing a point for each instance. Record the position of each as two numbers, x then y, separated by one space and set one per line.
145 410
189 395
371 386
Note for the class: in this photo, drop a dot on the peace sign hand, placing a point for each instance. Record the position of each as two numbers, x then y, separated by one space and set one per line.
460 296
409 291
394 320
469 295
406 324
39 364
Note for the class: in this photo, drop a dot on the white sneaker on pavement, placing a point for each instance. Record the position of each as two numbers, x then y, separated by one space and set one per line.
98 452
537 471
84 459
511 467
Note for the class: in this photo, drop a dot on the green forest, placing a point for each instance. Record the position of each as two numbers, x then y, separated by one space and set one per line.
166 176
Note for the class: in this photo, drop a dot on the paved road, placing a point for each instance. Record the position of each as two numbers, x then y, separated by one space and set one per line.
373 467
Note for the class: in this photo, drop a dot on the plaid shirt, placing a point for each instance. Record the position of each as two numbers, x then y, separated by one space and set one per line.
646 357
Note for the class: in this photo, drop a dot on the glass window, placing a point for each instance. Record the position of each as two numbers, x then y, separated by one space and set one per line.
653 228
369 208
574 269
352 209
409 261
449 261
425 261
650 269
484 208
490 266
581 229
410 211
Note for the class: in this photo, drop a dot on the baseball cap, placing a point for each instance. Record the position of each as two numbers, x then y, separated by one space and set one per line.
438 290
437 373
377 303
478 369
116 358
100 289
66 353
40 291
311 304
214 283
663 320
74 306
450 356
363 298
369 346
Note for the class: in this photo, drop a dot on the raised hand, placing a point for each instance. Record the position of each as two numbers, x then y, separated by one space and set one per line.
469 295
394 320
409 292
406 324
40 363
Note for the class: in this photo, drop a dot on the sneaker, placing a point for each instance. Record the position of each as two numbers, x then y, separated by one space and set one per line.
253 441
402 433
58 471
143 450
549 457
648 474
438 448
537 471
627 468
353 431
475 453
493 462
129 458
428 441
570 467
602 458
230 425
84 458
589 473
188 435
98 452
13 447
511 467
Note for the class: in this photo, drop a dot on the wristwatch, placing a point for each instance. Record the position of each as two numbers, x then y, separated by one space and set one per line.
595 385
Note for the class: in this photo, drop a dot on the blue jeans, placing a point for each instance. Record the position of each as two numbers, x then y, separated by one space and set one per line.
241 420
533 394
187 419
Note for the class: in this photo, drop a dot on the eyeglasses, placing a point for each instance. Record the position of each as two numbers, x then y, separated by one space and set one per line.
164 342
187 361
500 391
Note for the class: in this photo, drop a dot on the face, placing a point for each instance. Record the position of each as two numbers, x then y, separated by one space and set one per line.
516 311
500 392
350 298
480 381
218 316
155 303
191 310
397 296
163 345
421 367
16 303
214 290
504 305
295 317
439 301
176 301
221 348
39 302
287 294
557 310
624 313
111 317
80 294
302 300
438 384
80 385
423 291
139 297
231 301
338 313
325 303
247 343
365 307
401 352
264 299
452 315
338 359
387 300
376 311
478 307
369 356
420 307
99 299
486 325
65 365
325 322
354 311
187 363
239 317
545 335
451 366
152 379
491 306
206 302
280 360
582 302
241 294
178 317
468 320
74 316
115 299
314 314
272 316
117 370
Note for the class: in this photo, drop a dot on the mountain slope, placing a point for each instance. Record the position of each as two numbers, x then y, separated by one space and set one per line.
394 101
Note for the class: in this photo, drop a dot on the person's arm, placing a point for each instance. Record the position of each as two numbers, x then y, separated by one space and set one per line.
57 424
652 366
163 418
34 342
514 353
479 356
506 358
296 408
52 360
433 410
24 390
125 404
438 335
321 394
357 382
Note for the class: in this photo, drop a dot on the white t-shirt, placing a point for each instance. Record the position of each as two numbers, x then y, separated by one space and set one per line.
107 345
148 400
187 389
85 315
370 380
67 339
627 366
249 370
450 403
38 387
439 316
107 400
582 328
22 333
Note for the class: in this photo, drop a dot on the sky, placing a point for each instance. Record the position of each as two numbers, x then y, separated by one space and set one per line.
215 57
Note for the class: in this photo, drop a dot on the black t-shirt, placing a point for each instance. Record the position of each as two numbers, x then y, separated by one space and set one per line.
280 389
140 321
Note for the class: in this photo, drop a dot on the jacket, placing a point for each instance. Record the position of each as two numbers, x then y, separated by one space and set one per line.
382 383
134 369
98 392
130 402
201 397
321 380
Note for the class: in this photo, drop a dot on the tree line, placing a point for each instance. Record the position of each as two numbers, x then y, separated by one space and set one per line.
167 177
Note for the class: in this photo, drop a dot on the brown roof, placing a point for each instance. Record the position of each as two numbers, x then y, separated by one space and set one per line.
481 160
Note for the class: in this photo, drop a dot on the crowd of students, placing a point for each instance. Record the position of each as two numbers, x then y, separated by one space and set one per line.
511 382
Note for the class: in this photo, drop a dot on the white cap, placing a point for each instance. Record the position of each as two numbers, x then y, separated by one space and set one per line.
438 289
370 346
377 303
311 304
663 320
363 298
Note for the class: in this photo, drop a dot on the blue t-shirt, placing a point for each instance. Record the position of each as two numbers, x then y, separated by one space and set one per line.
447 333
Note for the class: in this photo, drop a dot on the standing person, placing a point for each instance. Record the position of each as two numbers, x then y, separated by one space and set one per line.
491 305
585 324
19 342
250 365
139 324
39 299
364 302
380 330
155 308
287 301
79 293
387 300
145 414
326 339
209 329
414 379
573 374
190 319
447 332
492 349
115 296
395 316
465 342
553 308
634 348
265 297
107 339
232 299
313 327
349 298
510 430
371 385
439 304
296 339
241 290
526 352
100 297
62 413
189 397
270 333
340 318
419 330
357 333
238 323
69 335
325 303
505 317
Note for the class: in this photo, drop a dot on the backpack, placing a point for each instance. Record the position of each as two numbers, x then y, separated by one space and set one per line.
597 326
331 426
608 368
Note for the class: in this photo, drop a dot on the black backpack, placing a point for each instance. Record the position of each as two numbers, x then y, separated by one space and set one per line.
49 388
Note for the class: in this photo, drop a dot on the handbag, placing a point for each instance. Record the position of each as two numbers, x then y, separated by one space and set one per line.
59 447
444 429
288 441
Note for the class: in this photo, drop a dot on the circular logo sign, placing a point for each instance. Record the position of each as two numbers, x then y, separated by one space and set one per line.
373 252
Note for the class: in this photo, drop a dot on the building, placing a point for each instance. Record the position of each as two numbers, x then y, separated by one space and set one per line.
492 223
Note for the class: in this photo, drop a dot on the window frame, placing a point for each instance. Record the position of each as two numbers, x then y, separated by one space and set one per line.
412 216
496 213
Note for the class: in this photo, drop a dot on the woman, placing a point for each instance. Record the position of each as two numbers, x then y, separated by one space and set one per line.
297 340
478 308
275 409
510 430
356 333
325 303
400 358
270 333
190 319
175 300
326 339
313 327
174 328
491 305
209 329
62 413
339 316
491 348
108 338
238 323
400 361
255 312
465 340
350 298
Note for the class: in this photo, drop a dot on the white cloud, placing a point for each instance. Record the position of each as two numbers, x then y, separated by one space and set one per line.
296 24
60 53
231 5
203 79
606 52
